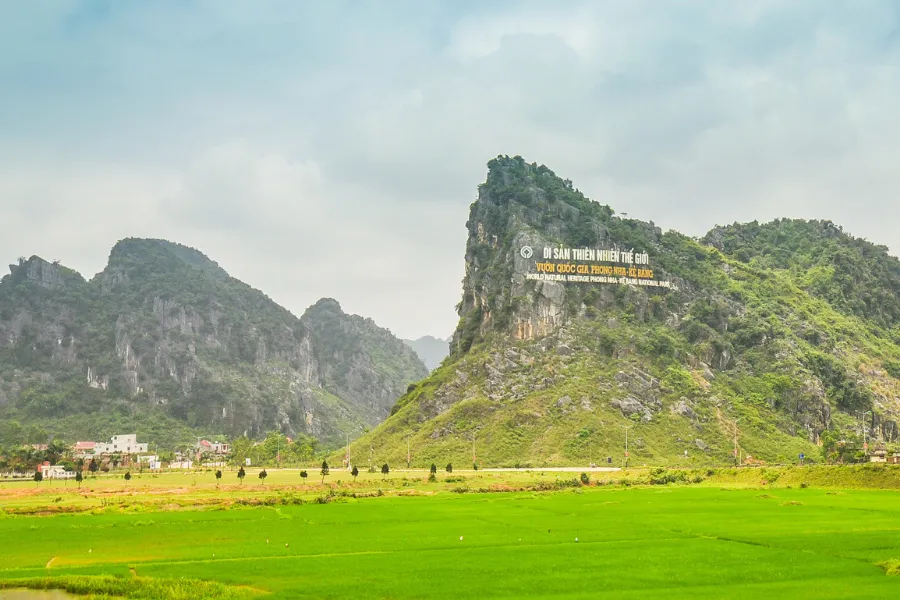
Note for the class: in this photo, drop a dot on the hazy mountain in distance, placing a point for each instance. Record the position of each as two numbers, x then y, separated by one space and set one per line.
430 349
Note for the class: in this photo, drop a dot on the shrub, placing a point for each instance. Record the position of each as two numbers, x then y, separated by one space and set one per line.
661 476
449 467
585 479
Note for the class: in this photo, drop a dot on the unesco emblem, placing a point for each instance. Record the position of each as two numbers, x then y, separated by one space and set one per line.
526 252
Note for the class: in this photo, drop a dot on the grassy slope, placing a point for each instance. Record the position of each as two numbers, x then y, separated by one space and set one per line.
532 431
725 542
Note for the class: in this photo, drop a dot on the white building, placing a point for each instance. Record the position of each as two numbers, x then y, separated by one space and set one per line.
55 472
878 456
121 444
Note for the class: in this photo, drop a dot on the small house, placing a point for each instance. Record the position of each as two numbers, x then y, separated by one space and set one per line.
54 472
84 449
878 456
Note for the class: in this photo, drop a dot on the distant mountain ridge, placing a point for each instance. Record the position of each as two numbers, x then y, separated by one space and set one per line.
164 341
430 349
577 325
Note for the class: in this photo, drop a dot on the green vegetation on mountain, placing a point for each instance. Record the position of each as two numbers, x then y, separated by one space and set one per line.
165 344
775 339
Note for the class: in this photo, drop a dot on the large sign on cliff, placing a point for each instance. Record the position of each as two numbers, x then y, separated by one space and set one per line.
591 265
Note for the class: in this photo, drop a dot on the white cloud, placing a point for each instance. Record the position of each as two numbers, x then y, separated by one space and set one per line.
232 186
478 37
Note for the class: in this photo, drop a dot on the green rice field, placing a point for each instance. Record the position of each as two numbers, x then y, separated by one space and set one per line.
694 541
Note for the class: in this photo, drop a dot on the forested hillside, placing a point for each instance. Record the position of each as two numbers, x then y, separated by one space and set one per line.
771 340
165 343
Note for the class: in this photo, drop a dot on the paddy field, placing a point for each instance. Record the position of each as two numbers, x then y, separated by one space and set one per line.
731 534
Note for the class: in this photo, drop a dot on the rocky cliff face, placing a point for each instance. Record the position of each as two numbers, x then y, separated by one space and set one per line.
577 324
163 329
360 361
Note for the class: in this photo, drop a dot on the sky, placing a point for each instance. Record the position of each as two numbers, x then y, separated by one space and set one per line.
332 149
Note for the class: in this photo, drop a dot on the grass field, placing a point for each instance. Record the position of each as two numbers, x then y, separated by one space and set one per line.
698 541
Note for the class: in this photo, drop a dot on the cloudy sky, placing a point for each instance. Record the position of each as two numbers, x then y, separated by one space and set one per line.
333 148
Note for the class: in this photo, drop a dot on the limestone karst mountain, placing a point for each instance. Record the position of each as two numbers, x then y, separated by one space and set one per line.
165 343
578 325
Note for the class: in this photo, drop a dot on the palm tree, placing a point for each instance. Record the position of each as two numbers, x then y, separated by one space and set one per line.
24 458
55 452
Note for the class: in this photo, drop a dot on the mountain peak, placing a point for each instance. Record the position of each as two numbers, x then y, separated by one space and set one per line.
326 305
525 230
132 252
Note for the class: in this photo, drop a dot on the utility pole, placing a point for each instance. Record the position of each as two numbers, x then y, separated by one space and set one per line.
735 441
625 460
348 452
473 450
408 456
862 422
